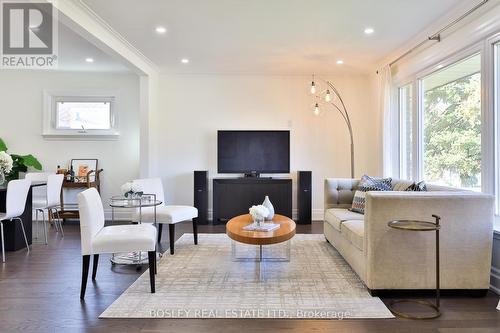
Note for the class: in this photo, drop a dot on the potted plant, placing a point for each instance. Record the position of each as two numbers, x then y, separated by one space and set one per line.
20 163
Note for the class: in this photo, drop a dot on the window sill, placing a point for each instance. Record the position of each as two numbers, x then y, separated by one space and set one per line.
81 136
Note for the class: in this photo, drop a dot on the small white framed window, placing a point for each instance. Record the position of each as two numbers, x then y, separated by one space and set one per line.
80 115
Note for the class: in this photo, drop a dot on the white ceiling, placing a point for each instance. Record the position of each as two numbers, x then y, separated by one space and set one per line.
269 36
73 49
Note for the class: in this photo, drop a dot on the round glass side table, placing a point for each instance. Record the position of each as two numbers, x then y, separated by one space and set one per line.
414 225
121 202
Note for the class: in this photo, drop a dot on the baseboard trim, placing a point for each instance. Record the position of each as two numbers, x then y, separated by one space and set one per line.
427 292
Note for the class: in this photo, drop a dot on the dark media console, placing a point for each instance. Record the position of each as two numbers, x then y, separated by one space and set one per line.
233 196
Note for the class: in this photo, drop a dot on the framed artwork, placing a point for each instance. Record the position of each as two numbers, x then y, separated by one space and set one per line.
81 167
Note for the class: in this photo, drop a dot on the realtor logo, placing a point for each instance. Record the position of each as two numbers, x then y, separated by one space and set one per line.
29 34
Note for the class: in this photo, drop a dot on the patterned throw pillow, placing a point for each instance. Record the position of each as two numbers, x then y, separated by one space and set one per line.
358 202
367 184
418 187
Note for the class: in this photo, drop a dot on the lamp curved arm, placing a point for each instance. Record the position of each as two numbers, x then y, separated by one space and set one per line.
345 115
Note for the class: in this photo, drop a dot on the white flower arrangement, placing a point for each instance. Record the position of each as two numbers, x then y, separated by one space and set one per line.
131 189
259 212
6 162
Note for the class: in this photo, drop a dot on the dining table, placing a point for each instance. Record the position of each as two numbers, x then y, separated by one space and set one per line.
13 234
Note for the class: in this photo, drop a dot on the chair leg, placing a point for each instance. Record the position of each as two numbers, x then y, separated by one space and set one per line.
60 223
160 226
3 241
152 261
195 231
85 274
94 266
37 223
44 224
24 233
171 235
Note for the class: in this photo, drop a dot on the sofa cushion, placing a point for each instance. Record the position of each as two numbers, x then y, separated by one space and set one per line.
417 187
366 184
354 231
358 202
401 184
335 217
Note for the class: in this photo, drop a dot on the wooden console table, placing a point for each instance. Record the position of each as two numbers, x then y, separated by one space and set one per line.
67 212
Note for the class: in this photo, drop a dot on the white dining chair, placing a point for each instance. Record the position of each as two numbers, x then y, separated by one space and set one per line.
49 202
17 192
97 239
165 214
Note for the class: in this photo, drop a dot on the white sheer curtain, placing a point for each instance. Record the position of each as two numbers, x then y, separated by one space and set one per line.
390 127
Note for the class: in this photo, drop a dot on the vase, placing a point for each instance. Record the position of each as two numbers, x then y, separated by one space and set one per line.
258 221
267 203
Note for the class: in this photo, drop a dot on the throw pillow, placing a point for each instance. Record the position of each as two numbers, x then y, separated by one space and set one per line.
418 187
367 184
358 202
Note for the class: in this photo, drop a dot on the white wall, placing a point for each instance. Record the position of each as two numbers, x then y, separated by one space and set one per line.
21 108
193 107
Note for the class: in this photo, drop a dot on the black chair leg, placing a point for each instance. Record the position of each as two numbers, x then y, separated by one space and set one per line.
156 266
94 267
195 231
152 263
171 234
160 226
85 274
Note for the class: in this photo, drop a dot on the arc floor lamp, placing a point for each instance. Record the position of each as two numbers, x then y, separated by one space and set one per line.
330 96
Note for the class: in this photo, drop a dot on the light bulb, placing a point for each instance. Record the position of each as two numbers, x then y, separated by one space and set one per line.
313 88
328 98
316 109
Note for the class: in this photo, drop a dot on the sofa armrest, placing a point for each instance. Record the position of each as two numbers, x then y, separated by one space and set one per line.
339 192
396 259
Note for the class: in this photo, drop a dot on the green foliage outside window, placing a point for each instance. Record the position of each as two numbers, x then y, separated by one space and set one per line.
452 132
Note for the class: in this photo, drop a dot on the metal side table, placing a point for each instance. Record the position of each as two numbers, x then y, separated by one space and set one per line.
413 225
121 202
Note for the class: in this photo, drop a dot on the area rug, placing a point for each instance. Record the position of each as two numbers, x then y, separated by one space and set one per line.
201 281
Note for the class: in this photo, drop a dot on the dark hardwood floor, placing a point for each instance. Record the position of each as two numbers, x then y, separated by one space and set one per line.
39 292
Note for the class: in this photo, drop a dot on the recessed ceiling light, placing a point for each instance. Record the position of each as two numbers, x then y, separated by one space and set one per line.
161 30
89 59
369 31
185 60
340 62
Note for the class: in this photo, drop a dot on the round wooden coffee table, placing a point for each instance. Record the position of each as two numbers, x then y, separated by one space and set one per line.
234 229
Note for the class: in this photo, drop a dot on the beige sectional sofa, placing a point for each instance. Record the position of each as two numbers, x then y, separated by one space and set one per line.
388 259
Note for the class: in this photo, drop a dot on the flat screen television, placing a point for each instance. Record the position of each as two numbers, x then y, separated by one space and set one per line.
253 152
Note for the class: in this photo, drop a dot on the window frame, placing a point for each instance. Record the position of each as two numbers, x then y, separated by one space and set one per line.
487 151
51 98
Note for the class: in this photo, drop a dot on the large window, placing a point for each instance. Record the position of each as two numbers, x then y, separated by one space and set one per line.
451 102
441 134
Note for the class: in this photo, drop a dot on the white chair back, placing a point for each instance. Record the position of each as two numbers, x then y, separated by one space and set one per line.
152 186
17 192
54 185
38 176
91 217
39 192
